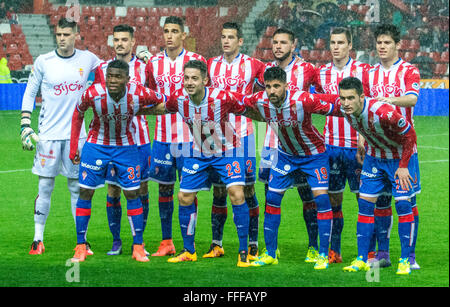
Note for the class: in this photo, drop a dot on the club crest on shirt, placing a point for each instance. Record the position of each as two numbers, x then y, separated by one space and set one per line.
42 162
81 71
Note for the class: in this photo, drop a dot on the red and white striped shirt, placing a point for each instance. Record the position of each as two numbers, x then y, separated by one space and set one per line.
166 76
291 122
238 76
401 79
388 133
112 121
137 74
299 77
208 121
337 131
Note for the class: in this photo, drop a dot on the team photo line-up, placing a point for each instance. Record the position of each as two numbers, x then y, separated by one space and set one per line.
204 135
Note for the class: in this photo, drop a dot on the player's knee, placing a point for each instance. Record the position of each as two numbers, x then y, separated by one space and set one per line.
130 194
335 199
186 199
46 186
143 189
166 188
114 191
249 191
219 191
86 194
236 194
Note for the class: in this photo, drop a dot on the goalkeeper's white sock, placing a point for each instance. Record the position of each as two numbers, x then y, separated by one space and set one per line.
74 189
42 206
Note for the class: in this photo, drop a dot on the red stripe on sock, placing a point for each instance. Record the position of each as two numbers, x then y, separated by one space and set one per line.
108 204
415 211
273 210
219 210
309 206
254 211
325 215
83 212
133 212
165 199
338 215
383 212
366 219
406 218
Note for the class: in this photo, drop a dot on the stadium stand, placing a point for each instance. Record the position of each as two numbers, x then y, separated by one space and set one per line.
33 35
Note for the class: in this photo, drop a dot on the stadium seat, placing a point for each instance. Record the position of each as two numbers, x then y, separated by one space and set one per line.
444 56
314 55
305 54
440 70
267 55
269 31
177 11
91 20
87 10
16 29
414 45
265 43
436 56
12 49
320 44
140 21
326 56
141 12
404 44
153 11
258 53
409 55
165 11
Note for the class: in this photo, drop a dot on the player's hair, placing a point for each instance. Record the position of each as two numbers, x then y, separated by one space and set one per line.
343 30
197 65
63 22
285 31
388 29
124 28
119 64
175 20
233 26
275 73
351 83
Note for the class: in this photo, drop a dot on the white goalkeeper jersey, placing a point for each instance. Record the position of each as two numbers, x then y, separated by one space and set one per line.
62 81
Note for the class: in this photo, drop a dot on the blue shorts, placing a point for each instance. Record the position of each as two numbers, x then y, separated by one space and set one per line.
343 167
416 183
416 178
377 174
166 159
145 152
123 161
196 172
288 170
248 152
265 163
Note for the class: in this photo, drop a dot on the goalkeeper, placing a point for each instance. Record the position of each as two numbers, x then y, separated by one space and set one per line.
61 75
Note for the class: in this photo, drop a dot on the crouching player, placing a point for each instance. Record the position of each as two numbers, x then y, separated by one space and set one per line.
110 140
391 142
301 150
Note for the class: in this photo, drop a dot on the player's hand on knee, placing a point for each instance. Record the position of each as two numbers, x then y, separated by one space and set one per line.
404 178
27 134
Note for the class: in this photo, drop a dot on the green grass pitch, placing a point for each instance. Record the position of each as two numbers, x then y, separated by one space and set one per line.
18 189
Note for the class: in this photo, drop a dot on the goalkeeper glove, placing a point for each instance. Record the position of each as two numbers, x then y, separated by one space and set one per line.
144 55
27 133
